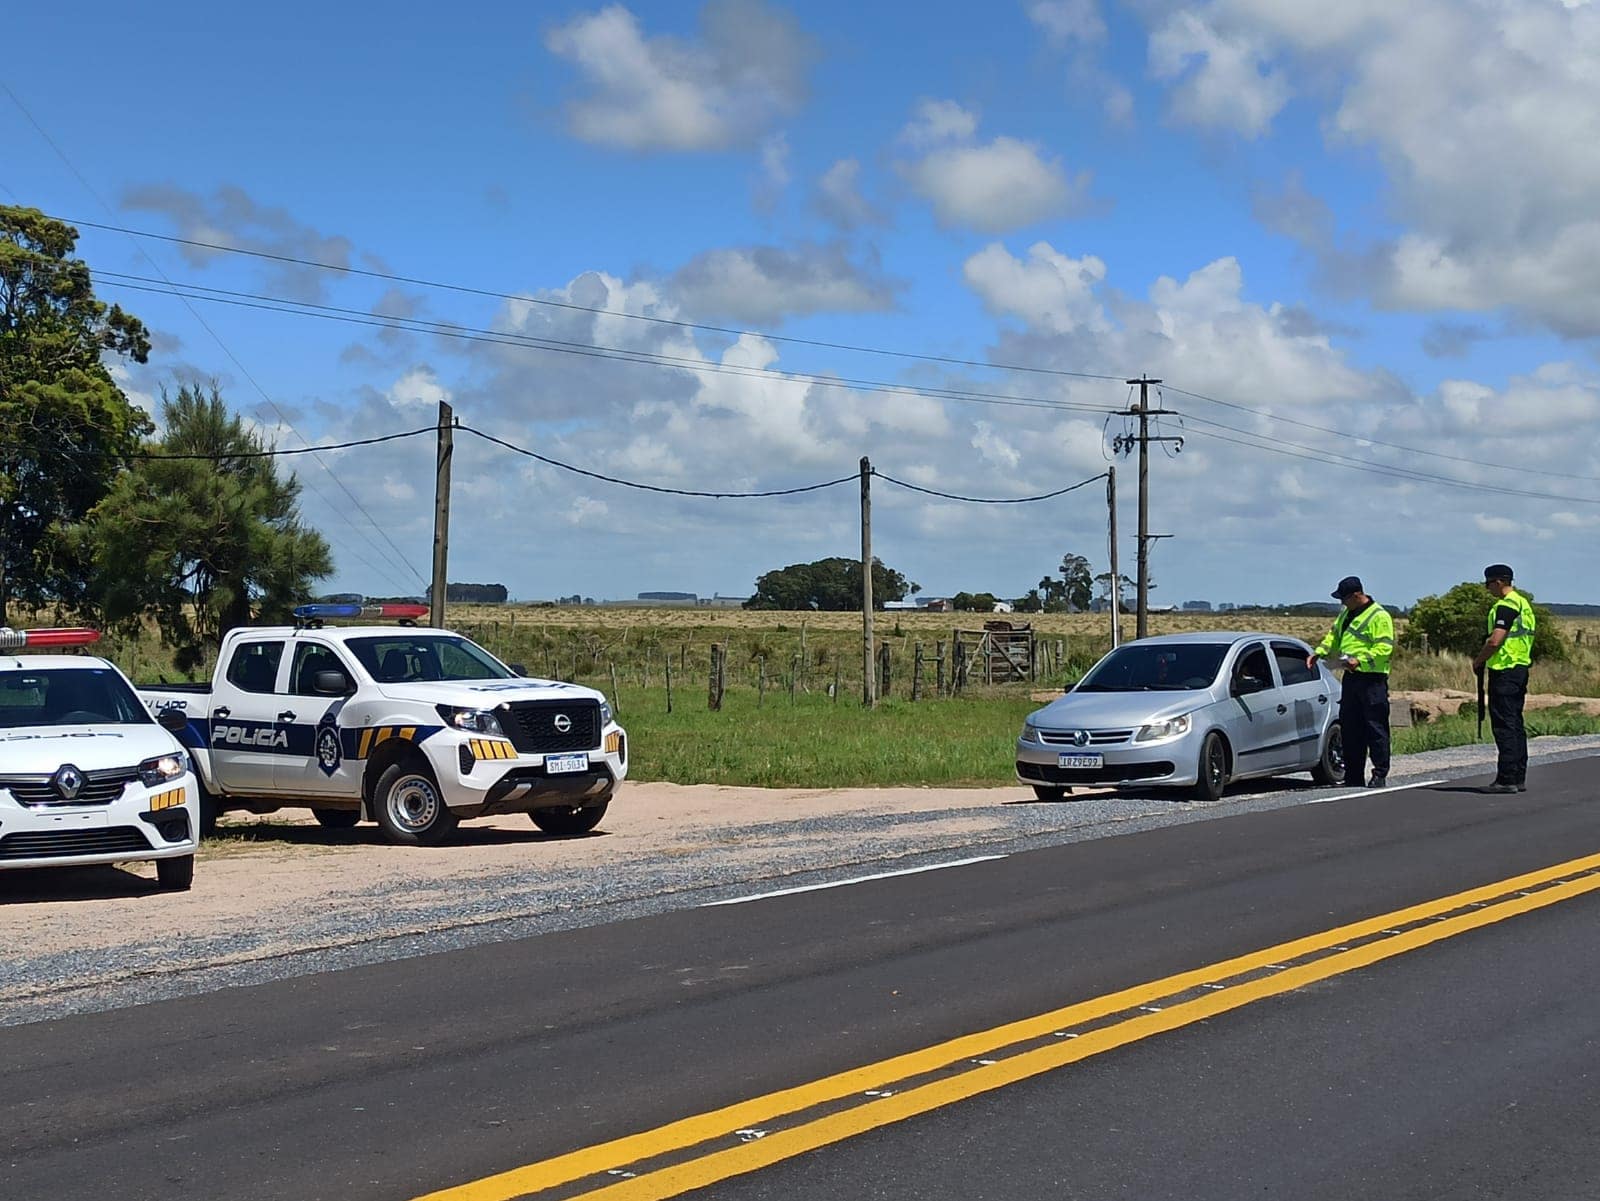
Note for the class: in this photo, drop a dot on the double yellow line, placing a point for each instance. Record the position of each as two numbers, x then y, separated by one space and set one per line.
702 1150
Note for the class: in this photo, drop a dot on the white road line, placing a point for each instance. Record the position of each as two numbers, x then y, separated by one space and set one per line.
908 871
1350 796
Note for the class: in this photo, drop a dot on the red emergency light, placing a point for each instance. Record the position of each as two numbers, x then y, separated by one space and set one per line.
11 640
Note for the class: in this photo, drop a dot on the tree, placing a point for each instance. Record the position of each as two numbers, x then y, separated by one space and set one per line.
1459 621
1077 582
203 544
65 426
1030 602
826 584
973 602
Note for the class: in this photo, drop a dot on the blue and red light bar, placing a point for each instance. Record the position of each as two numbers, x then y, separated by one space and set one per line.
38 640
393 612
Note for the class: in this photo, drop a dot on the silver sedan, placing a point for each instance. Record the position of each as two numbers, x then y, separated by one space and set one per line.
1188 710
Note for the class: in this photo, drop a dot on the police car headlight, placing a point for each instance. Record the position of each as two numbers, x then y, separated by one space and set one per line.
605 715
476 721
163 769
1158 731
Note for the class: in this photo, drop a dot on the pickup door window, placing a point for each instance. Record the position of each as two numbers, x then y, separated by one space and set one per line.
246 736
314 763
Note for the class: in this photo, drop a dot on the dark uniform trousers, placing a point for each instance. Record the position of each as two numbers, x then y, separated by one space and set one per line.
1507 691
1364 722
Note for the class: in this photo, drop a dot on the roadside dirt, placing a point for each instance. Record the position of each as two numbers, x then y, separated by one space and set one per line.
266 874
1444 701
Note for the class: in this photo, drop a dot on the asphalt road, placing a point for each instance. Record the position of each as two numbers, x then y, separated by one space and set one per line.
1464 1067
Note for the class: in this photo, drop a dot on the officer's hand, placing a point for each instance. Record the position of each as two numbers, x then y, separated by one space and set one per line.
1311 662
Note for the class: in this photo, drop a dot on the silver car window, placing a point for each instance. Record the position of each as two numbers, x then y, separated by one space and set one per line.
1252 672
1147 667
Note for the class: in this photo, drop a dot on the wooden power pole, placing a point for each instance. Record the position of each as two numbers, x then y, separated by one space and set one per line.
1116 576
1142 440
869 683
441 515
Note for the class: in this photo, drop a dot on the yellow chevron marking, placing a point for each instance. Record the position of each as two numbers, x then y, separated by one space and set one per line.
407 733
366 742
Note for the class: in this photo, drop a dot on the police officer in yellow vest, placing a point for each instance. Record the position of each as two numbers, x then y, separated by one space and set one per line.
1361 642
1507 654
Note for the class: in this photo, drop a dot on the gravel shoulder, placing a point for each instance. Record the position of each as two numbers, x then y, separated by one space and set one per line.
280 896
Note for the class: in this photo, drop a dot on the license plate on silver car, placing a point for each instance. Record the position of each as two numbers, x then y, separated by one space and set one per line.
557 765
1081 761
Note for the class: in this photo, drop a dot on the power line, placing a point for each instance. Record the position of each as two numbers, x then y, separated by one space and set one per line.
1411 450
278 453
90 188
703 327
277 304
983 500
611 479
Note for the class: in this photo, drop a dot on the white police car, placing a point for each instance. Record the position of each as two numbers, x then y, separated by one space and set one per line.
87 775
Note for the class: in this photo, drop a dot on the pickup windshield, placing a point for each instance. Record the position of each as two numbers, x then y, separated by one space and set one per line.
68 696
420 658
1140 667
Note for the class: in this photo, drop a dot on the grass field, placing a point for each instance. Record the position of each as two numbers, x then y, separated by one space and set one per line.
779 726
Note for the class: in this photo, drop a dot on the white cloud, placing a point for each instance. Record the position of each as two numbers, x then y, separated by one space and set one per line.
1221 80
839 200
585 510
764 284
1480 112
996 186
1049 289
663 93
418 388
936 122
1068 20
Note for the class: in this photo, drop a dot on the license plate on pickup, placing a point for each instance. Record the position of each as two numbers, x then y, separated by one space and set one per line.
1081 761
558 765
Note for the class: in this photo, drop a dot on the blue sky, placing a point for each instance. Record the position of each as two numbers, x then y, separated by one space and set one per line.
1374 220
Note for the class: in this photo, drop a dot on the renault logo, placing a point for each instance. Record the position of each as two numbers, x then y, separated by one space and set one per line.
563 723
1080 738
68 782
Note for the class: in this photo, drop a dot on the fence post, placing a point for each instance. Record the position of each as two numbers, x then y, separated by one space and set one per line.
987 646
938 653
916 674
794 677
837 662
714 688
616 700
669 683
761 680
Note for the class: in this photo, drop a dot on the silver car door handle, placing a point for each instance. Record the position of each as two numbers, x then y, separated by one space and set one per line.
1283 708
286 715
221 711
1322 698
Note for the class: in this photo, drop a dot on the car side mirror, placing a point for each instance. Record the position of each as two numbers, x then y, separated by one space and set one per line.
173 721
517 669
330 683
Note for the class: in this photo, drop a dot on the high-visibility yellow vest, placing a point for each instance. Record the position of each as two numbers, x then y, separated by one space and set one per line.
1517 649
1367 637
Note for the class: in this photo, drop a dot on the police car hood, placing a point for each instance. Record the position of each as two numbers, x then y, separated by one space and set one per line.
487 694
40 750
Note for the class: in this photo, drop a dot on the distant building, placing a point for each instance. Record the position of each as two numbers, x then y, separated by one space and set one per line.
1002 607
900 604
1201 606
680 598
938 604
718 601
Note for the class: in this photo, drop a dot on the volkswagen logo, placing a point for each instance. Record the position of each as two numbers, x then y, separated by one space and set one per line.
68 782
1080 737
563 724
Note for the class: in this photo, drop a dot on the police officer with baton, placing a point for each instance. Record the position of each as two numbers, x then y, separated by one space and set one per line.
1361 642
1507 654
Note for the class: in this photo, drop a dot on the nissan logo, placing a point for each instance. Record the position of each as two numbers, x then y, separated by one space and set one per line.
563 723
1080 738
68 782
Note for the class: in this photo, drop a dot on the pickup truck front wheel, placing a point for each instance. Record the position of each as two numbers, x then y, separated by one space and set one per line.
410 808
567 820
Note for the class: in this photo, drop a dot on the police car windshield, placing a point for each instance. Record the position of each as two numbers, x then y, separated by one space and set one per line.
421 658
68 696
1140 667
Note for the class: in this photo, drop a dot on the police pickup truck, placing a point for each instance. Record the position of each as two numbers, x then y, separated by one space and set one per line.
87 775
416 729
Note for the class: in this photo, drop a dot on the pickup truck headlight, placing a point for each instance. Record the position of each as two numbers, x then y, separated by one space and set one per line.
1159 731
477 721
605 715
163 769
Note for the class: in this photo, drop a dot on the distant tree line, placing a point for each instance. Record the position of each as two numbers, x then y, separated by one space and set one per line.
827 584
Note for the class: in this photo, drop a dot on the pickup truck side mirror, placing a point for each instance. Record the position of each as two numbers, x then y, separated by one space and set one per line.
330 683
517 669
173 721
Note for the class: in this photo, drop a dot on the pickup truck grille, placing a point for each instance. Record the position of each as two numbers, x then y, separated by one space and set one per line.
52 844
533 726
99 787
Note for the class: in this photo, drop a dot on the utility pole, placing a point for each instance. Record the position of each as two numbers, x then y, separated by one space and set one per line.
869 683
1116 578
441 515
1122 444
